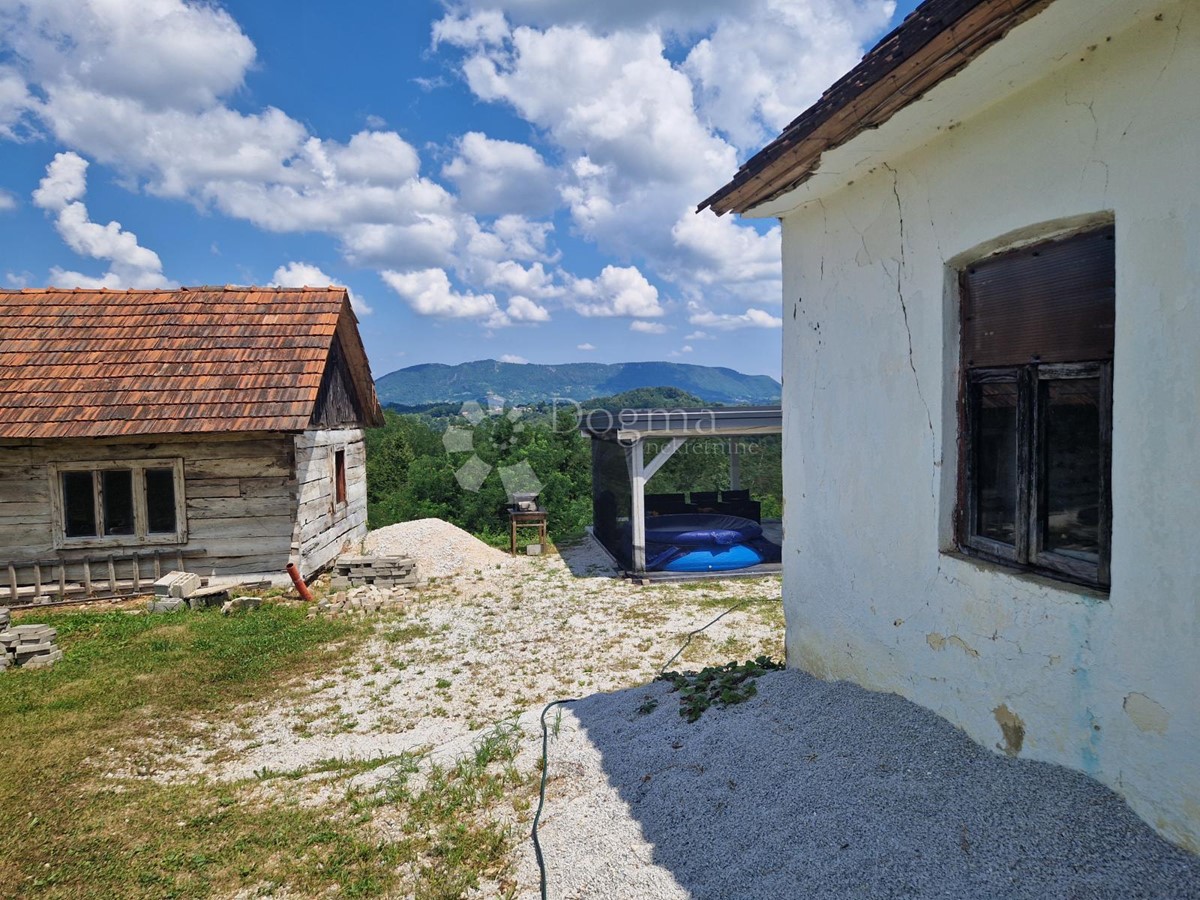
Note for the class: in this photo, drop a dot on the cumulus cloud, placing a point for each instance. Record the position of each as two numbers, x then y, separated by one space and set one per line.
485 27
522 309
644 327
513 358
302 274
756 72
430 293
586 348
751 318
501 177
61 193
7 201
619 291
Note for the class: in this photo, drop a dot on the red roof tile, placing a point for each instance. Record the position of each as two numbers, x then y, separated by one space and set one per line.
197 360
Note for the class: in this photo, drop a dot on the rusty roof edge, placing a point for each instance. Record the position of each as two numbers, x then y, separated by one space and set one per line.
777 162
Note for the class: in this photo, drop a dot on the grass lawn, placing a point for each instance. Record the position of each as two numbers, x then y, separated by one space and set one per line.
80 821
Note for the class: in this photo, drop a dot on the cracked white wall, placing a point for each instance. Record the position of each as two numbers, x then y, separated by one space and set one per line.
1108 685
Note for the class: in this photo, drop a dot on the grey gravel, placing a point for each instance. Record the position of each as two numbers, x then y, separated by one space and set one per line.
825 790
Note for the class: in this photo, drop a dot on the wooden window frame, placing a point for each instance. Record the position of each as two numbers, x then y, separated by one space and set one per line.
340 496
1034 314
141 535
1028 550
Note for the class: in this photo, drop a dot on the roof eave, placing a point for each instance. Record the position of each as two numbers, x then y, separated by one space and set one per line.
897 72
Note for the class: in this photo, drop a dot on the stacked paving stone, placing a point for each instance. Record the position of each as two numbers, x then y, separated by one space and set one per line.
359 601
30 646
380 571
5 618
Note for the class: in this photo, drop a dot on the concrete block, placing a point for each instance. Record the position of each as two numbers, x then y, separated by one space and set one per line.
534 549
186 585
173 604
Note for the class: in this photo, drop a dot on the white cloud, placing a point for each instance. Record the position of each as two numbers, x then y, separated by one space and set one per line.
761 67
751 318
15 99
611 14
501 177
619 291
513 358
161 53
486 27
586 348
429 293
61 193
698 336
522 309
644 327
302 274
7 201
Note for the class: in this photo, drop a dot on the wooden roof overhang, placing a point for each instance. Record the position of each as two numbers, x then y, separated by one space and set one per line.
934 42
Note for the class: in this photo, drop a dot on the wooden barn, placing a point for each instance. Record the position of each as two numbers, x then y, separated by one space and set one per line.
217 430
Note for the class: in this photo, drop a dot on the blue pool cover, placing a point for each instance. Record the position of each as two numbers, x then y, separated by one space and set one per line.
698 542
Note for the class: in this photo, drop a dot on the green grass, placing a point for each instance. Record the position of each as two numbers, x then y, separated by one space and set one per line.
80 824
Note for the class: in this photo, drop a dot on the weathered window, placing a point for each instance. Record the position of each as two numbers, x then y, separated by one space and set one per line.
339 476
118 503
1037 349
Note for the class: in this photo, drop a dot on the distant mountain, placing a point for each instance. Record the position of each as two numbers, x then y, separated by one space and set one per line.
521 383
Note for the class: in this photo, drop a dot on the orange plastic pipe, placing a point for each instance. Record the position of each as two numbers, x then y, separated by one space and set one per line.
298 581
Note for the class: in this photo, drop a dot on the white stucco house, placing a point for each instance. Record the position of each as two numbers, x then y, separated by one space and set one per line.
991 361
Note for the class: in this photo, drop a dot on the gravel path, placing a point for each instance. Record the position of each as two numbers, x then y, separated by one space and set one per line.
810 790
825 790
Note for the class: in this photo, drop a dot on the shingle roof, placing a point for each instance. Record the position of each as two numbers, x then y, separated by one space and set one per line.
934 42
82 363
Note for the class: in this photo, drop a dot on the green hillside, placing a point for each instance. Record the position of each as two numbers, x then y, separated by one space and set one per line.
532 383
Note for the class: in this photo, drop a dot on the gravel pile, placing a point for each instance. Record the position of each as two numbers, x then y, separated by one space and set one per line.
440 549
826 790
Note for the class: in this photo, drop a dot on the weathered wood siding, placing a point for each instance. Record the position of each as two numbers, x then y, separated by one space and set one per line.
240 497
323 526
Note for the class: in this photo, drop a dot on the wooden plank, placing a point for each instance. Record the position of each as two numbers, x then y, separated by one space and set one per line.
87 577
239 467
198 488
112 574
12 581
209 508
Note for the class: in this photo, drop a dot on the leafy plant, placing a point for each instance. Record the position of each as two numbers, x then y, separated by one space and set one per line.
717 685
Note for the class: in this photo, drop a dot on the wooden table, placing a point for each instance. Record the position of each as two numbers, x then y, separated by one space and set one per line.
531 519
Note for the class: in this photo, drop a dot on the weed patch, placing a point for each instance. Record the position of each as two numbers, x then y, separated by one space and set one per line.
716 685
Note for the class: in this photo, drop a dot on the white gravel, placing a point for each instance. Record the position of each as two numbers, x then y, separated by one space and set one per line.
440 549
810 790
824 790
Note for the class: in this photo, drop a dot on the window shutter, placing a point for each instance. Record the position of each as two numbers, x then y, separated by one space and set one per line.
1052 302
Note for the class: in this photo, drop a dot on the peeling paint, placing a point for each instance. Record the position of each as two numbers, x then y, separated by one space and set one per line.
1012 727
1146 714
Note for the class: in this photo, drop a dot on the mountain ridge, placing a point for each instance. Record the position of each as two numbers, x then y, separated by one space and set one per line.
578 381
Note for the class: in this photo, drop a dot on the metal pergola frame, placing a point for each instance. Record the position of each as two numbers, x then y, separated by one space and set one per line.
631 428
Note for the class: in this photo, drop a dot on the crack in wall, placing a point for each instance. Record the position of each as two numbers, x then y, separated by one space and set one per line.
903 264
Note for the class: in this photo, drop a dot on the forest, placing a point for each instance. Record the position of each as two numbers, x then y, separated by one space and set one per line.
411 473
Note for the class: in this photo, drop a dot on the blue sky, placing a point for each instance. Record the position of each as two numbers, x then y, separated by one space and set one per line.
491 178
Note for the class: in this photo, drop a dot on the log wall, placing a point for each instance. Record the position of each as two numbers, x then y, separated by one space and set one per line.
240 494
324 527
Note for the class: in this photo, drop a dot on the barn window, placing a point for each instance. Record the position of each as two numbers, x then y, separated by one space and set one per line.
119 503
339 476
1037 352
